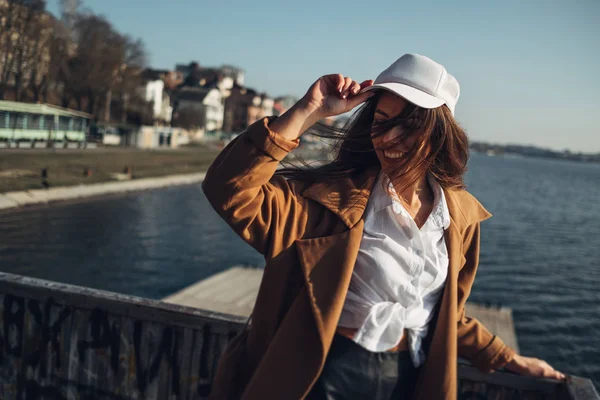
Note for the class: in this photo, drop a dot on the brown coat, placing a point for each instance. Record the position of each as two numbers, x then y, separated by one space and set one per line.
310 237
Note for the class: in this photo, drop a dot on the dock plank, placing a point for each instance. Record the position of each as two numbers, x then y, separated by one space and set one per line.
234 292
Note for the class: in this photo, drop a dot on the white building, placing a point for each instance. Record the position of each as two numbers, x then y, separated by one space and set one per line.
160 100
204 106
267 105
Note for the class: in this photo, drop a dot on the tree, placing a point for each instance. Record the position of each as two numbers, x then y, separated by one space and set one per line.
20 38
127 78
80 61
69 10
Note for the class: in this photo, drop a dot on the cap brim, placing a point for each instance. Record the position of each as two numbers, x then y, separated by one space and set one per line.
409 93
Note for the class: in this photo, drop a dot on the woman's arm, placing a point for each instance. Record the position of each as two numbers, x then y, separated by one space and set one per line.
265 210
240 186
475 343
484 350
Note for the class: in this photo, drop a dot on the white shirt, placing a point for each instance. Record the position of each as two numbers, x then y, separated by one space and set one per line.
399 273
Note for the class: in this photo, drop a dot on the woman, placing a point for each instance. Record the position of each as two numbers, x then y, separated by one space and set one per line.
369 259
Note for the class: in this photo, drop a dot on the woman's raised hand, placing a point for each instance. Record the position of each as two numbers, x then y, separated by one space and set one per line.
335 94
330 95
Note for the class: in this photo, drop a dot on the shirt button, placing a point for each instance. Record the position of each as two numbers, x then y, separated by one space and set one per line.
397 208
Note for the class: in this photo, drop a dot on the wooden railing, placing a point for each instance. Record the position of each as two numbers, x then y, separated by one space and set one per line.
60 341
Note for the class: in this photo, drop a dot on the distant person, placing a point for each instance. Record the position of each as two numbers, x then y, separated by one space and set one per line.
370 258
128 172
45 183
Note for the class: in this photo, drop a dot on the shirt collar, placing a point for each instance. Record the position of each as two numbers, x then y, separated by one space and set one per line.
440 215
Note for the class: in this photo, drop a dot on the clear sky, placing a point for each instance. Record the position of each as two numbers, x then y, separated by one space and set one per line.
529 69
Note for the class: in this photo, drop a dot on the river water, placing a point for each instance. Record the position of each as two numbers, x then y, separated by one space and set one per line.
540 253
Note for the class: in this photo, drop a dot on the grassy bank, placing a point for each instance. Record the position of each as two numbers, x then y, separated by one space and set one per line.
22 169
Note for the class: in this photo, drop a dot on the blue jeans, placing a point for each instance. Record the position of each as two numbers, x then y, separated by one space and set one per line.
353 372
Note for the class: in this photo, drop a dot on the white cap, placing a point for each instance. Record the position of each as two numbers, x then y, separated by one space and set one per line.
419 80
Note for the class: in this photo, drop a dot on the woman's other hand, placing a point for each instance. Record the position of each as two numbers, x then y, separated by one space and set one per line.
530 366
335 94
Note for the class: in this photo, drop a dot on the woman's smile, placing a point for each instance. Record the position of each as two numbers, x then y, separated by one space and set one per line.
392 154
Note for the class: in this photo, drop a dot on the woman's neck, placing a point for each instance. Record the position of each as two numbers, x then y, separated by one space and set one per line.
417 194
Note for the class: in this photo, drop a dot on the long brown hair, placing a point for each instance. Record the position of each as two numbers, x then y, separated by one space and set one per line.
442 151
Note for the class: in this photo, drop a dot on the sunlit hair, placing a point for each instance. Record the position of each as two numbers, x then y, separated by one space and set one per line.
442 150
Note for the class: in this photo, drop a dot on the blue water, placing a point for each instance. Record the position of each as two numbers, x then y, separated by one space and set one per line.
540 252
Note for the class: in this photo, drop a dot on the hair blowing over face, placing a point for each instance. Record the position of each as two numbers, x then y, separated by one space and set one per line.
442 148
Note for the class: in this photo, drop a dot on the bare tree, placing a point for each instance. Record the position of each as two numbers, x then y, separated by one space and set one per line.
81 59
59 50
128 81
45 57
69 10
18 40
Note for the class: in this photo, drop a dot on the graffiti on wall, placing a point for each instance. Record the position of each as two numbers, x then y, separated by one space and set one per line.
56 351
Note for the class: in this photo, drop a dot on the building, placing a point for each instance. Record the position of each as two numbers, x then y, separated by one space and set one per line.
154 91
266 105
154 137
195 75
45 125
283 103
243 107
223 78
199 109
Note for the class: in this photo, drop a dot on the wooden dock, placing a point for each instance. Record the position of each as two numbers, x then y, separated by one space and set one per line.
234 292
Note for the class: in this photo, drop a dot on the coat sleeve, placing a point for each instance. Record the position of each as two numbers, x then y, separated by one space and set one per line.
485 351
264 210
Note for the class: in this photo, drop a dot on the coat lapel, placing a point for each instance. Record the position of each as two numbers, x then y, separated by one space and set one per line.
346 198
327 262
441 365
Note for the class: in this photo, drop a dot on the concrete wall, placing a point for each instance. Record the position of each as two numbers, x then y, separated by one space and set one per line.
111 139
60 341
41 196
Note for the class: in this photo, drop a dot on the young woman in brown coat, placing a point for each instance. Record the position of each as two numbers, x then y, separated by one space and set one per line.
370 258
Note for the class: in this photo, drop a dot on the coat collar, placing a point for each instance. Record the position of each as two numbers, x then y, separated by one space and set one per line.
348 198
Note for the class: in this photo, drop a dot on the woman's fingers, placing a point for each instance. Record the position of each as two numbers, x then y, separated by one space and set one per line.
334 83
345 89
367 83
335 94
545 370
361 98
550 372
533 367
559 376
340 81
344 85
357 98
